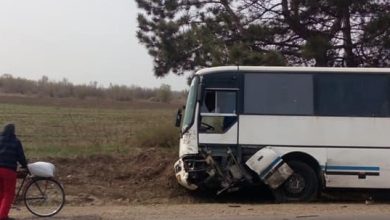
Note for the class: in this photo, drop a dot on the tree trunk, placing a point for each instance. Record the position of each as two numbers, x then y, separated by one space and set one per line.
350 60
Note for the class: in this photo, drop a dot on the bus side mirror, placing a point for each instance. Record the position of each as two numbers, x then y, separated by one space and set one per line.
178 118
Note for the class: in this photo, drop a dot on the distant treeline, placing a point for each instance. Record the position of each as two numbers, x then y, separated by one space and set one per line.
65 89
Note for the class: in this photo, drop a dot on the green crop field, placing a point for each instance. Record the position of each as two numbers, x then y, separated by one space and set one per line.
64 131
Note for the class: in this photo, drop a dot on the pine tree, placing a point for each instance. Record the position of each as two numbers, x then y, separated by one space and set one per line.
185 35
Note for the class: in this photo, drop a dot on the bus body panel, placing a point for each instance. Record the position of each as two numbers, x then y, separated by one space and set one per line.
228 137
277 69
314 131
347 147
319 154
358 168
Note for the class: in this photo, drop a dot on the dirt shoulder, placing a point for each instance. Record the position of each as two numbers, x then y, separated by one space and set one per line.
147 177
142 186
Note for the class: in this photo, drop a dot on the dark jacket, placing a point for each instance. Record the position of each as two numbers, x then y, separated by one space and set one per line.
11 150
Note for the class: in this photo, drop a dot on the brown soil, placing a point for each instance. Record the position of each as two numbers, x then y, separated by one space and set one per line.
142 178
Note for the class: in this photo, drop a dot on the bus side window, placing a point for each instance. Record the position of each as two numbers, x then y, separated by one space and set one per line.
216 101
209 102
218 111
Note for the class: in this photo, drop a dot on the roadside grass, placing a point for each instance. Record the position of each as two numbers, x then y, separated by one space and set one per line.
66 131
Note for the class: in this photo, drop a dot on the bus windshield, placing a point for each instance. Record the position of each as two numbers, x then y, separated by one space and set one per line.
190 105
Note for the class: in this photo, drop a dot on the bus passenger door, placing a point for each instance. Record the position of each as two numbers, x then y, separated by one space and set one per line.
218 124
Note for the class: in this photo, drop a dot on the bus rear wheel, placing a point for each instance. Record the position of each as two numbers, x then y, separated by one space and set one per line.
301 186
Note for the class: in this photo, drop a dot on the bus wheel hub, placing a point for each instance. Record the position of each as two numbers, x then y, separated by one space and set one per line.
295 184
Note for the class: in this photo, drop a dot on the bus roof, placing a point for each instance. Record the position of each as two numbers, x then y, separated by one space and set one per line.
291 69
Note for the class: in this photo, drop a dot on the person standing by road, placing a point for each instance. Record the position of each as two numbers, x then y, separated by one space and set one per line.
11 152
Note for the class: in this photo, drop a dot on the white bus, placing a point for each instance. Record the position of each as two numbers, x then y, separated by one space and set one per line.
296 129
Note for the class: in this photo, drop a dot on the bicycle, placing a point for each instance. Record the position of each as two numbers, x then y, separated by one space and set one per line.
42 196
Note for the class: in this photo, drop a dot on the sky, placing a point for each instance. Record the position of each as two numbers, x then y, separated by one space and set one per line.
80 40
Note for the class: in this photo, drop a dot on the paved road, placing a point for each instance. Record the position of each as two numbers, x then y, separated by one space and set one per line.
306 217
223 212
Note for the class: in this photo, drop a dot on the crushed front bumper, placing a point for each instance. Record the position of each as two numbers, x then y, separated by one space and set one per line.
182 175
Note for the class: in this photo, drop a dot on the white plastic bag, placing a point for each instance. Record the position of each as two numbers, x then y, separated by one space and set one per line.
42 169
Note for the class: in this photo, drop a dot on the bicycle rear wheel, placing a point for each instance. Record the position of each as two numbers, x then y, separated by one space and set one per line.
44 197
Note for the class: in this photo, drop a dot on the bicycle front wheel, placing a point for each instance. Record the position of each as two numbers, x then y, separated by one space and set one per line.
44 197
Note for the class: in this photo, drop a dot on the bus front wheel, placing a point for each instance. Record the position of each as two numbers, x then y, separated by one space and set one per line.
301 186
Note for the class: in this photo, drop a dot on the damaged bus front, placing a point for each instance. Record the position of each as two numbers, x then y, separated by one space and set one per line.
210 154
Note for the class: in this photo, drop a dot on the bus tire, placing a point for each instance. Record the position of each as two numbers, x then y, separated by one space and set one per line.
302 186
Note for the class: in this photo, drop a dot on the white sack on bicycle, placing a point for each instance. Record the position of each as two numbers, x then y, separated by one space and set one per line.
42 169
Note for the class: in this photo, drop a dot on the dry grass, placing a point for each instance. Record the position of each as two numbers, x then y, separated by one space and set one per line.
64 131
